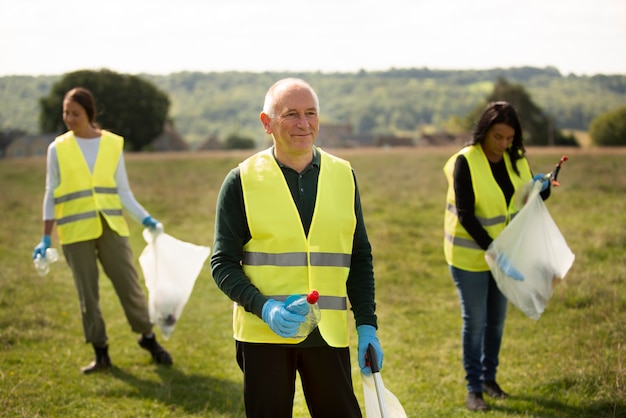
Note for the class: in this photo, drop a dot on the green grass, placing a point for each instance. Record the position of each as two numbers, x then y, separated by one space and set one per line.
570 363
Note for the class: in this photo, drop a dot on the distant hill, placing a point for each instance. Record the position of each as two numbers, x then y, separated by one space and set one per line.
403 102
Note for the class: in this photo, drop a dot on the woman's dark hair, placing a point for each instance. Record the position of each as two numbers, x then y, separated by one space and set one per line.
83 97
501 112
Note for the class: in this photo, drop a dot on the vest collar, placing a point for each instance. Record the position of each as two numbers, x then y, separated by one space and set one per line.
314 163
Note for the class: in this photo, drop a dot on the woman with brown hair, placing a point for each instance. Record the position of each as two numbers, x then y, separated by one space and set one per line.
86 190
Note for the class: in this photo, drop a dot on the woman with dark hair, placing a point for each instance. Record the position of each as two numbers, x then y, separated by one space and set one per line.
482 180
86 190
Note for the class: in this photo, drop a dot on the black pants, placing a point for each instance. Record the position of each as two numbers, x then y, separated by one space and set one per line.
269 376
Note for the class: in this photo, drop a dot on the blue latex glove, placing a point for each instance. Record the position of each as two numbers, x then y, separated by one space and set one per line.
40 249
540 177
152 224
367 335
281 321
507 267
297 304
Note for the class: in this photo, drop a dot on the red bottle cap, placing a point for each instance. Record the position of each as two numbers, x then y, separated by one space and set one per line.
313 297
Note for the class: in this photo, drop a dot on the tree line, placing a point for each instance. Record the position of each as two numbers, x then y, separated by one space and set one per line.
402 102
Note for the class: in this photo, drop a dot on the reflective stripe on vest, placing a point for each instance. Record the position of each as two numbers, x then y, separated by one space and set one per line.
281 260
460 249
296 259
81 196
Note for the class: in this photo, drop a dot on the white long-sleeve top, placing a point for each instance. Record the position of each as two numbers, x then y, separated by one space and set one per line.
89 147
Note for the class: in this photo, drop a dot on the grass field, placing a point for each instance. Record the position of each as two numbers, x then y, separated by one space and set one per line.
569 363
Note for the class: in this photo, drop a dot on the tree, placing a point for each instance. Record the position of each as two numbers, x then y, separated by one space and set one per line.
538 128
609 129
236 141
127 105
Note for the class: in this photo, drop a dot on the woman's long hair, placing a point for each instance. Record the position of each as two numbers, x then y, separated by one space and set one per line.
501 112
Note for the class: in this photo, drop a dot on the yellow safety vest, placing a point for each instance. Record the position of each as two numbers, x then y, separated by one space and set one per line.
490 207
281 260
82 196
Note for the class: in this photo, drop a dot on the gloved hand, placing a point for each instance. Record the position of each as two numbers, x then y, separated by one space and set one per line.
152 224
40 249
367 335
297 304
507 267
280 320
540 177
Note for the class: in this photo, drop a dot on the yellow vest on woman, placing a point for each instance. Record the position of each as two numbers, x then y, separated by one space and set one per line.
490 207
281 259
82 196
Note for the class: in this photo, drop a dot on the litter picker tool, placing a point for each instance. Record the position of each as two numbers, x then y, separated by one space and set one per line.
378 381
379 401
521 197
554 174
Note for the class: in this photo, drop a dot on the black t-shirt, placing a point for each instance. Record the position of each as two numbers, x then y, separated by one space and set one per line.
465 199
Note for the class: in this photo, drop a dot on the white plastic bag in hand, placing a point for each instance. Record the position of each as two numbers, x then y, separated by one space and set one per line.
393 406
533 244
170 268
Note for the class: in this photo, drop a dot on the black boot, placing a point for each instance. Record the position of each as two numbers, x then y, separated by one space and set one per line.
475 402
159 354
102 361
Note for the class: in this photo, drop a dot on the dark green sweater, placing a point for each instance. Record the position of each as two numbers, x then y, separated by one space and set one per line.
232 233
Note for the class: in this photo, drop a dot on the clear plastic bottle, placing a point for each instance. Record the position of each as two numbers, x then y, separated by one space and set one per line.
307 306
42 264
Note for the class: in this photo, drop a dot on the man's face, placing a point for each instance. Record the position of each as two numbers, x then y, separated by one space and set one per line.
295 123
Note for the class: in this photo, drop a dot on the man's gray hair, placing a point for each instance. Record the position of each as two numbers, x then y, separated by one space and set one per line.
269 104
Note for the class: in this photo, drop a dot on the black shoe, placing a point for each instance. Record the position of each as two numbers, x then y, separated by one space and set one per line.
159 354
475 402
491 388
101 363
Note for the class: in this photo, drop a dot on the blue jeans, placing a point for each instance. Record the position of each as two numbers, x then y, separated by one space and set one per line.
483 308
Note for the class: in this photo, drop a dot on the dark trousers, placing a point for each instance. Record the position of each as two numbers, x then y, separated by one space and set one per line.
269 373
116 258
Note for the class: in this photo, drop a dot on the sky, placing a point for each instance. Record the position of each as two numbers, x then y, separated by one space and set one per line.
52 37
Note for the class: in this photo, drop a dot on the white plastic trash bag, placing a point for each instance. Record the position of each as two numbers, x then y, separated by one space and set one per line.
170 268
393 406
533 244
